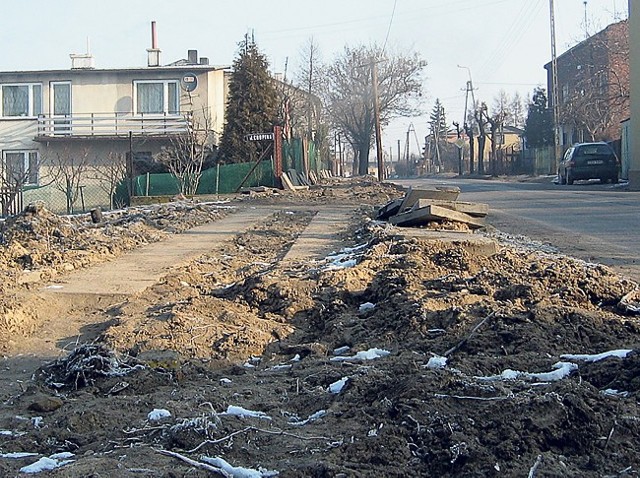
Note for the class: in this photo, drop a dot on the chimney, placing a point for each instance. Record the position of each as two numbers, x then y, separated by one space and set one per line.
83 61
192 57
153 53
204 60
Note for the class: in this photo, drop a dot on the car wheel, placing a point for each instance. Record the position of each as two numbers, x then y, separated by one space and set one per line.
568 176
561 178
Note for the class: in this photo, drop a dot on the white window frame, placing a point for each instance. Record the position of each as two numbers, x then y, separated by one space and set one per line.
31 113
165 94
25 158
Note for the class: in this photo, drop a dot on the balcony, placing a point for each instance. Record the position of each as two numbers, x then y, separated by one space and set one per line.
110 126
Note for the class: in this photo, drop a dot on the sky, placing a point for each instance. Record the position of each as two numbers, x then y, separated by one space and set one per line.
501 44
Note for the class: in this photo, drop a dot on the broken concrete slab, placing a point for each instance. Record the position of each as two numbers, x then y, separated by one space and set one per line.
390 209
413 195
433 213
474 209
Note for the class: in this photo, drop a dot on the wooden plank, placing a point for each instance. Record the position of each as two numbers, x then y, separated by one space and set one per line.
475 209
434 213
412 195
293 177
287 184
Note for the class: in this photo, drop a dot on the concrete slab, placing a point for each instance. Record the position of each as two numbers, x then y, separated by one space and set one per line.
434 213
321 236
134 271
413 194
475 209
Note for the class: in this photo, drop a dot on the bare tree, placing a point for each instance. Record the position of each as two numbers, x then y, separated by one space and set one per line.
496 123
67 170
349 93
109 175
188 151
596 96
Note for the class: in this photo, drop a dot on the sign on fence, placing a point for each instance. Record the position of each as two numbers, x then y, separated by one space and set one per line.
259 137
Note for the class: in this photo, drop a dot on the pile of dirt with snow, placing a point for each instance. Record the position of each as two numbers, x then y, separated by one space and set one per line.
397 357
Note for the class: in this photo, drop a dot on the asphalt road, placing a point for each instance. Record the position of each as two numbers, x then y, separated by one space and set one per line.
595 222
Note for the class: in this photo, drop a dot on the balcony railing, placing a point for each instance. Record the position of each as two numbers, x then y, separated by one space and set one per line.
111 125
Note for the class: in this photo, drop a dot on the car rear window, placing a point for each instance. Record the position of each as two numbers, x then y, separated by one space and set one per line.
594 149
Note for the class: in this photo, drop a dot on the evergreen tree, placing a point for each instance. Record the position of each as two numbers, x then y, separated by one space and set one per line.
438 127
538 129
252 105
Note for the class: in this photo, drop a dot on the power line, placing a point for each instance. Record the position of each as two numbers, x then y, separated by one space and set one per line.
384 46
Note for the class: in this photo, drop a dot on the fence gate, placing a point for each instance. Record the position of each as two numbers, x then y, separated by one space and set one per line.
11 201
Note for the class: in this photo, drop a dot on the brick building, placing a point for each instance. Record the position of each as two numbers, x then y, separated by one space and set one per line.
593 86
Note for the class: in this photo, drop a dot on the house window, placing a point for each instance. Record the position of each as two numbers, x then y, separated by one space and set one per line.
21 167
156 97
22 100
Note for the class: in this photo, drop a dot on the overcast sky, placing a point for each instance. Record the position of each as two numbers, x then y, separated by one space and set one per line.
503 43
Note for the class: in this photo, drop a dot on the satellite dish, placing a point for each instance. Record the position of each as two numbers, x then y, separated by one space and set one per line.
189 82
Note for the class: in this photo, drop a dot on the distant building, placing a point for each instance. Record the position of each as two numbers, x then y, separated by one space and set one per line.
593 86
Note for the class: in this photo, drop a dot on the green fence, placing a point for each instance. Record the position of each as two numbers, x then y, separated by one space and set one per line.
224 179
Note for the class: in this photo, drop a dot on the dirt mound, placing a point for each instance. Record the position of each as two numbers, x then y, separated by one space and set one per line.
396 357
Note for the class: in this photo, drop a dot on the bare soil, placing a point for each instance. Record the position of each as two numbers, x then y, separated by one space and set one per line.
243 326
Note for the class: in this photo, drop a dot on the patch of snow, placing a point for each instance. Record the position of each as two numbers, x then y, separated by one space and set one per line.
610 392
336 387
370 354
225 381
244 413
237 471
437 362
48 463
366 306
296 358
311 418
17 454
36 421
621 353
341 350
562 370
158 414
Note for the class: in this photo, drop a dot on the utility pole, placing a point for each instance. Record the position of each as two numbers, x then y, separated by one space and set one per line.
554 86
468 128
407 173
376 110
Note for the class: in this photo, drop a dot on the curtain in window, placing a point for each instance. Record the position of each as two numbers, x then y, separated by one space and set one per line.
15 101
33 168
15 167
61 99
150 98
173 98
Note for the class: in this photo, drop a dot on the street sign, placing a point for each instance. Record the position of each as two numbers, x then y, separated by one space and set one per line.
259 137
459 143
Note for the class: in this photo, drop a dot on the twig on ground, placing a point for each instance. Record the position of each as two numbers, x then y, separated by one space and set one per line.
606 444
473 331
262 430
532 471
194 463
468 397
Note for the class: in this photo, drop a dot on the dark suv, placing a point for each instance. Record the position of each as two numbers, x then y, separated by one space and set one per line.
589 161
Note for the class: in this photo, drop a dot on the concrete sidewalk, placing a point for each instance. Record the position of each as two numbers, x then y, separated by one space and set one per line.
136 270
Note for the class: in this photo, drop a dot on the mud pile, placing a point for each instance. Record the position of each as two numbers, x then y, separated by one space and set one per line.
397 357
